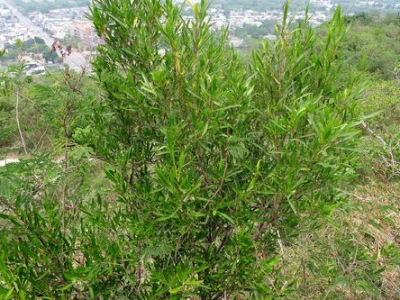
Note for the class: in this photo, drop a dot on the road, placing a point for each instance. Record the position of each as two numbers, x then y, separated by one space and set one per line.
76 60
3 162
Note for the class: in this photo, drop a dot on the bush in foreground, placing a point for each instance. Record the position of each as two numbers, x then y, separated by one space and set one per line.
211 166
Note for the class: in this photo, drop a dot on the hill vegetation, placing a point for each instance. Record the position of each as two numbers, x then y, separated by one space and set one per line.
35 47
45 6
180 170
352 6
258 5
373 39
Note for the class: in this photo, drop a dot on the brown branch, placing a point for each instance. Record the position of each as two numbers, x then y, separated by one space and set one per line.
391 162
21 135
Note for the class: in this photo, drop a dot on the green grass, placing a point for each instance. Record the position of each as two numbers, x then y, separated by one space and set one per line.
356 253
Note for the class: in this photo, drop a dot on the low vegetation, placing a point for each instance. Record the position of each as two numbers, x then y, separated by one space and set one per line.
178 171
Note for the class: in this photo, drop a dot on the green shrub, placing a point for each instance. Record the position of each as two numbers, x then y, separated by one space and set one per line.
211 166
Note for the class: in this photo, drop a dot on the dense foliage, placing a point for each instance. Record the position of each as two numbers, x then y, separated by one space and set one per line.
179 172
34 46
46 5
374 39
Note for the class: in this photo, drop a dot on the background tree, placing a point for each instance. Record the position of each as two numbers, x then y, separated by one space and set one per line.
373 38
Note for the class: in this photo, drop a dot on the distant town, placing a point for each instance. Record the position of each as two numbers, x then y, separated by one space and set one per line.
60 24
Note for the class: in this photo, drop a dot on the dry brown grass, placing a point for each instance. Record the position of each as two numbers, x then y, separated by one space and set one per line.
355 254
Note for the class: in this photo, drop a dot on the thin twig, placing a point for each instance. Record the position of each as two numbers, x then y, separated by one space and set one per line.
18 122
390 162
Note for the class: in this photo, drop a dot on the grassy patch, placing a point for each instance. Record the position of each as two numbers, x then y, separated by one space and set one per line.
355 255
